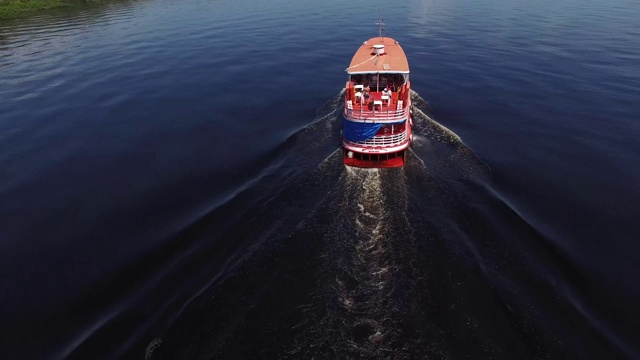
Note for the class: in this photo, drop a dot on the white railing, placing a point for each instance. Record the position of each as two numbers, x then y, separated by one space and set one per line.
383 140
361 114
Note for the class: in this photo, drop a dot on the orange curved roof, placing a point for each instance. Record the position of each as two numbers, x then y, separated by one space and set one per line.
392 61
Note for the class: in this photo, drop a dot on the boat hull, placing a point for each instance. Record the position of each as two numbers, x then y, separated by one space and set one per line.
374 160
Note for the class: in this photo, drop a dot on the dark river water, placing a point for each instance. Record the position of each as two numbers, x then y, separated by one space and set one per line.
171 184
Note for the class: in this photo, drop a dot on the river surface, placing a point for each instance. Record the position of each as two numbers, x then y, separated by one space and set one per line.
171 184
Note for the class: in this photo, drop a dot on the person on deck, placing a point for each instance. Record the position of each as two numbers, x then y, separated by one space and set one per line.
365 94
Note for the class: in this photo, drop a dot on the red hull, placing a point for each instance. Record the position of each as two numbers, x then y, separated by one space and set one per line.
375 160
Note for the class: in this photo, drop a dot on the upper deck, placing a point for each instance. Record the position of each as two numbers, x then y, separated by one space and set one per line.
376 107
392 61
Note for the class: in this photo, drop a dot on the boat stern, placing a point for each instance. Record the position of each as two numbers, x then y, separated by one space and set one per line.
364 160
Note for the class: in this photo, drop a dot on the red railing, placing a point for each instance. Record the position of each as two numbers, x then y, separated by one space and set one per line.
390 115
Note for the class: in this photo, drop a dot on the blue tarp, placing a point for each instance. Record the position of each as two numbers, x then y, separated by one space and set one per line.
355 131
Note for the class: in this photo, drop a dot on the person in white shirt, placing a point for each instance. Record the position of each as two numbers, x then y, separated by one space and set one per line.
386 92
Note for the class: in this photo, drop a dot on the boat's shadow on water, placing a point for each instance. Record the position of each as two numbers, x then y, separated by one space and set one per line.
340 262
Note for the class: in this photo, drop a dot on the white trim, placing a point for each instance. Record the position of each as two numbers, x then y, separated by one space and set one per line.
374 150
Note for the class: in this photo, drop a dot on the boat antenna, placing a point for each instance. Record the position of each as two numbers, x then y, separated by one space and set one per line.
380 24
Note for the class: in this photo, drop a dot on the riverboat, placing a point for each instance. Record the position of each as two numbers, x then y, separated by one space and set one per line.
376 131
